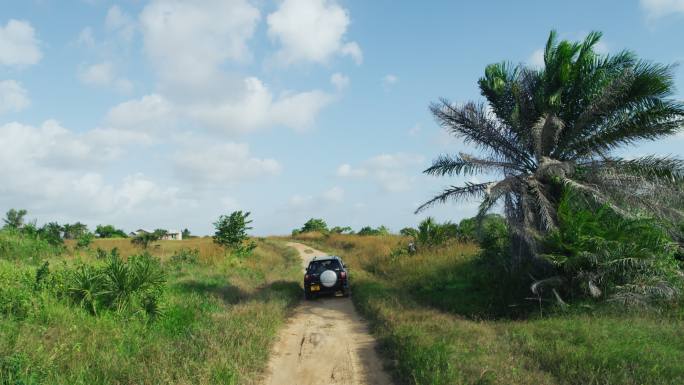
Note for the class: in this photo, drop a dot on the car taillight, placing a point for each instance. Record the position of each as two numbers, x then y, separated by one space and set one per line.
306 277
343 275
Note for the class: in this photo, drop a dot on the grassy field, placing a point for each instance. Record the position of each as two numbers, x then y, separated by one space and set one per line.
220 317
443 319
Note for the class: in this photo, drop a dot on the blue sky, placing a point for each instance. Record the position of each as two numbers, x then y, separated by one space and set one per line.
168 113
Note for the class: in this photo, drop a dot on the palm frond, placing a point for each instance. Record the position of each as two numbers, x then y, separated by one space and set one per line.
473 123
470 190
464 164
667 170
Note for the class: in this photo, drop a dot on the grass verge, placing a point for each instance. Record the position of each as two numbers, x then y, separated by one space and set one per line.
442 320
221 316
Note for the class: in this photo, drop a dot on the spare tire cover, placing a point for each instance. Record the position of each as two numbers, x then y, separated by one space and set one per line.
328 278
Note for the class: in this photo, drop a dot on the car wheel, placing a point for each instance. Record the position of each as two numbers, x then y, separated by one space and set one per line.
308 296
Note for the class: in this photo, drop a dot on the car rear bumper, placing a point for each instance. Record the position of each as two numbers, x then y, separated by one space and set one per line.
340 286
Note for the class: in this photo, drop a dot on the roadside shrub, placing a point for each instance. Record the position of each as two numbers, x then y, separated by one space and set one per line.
124 287
314 225
431 233
600 254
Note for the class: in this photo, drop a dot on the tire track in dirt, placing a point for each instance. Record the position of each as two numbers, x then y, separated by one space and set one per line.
325 342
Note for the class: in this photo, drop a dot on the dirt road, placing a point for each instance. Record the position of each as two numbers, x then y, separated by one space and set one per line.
325 342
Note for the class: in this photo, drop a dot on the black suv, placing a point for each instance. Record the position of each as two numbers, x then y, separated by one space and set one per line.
326 275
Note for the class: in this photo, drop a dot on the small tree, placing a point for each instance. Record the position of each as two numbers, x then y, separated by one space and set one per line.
315 224
341 230
14 219
367 230
186 234
75 231
109 231
52 233
409 232
144 238
231 232
85 240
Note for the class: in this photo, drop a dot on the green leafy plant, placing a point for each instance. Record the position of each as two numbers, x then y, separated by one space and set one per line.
119 286
143 239
603 255
109 231
231 232
74 231
84 240
312 225
367 230
341 230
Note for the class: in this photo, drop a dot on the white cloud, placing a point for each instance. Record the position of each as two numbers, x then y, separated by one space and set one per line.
334 195
339 80
205 162
322 201
311 30
390 80
54 169
151 113
188 40
415 130
392 172
18 44
346 170
257 108
86 38
104 75
536 59
660 8
13 97
120 22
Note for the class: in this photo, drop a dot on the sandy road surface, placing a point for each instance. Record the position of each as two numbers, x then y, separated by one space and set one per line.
325 342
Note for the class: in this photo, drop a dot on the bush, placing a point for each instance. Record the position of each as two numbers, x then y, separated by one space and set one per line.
109 231
603 255
341 230
144 238
84 240
22 245
312 225
124 287
431 233
367 230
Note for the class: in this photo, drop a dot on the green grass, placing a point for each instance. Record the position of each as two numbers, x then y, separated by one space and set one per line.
220 318
443 317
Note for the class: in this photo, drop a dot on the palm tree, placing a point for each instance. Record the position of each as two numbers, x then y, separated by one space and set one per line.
547 129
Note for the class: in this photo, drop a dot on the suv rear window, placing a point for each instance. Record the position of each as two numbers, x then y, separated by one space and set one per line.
317 267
